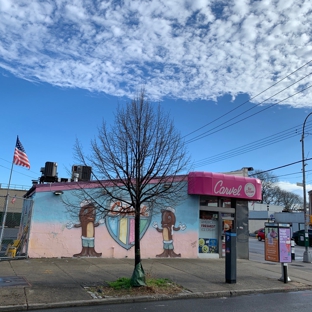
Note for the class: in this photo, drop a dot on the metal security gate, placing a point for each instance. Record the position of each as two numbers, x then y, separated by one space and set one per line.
15 216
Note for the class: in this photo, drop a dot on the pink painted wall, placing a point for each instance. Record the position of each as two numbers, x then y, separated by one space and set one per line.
55 240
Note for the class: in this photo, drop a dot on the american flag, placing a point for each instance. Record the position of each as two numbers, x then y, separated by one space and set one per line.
20 157
13 199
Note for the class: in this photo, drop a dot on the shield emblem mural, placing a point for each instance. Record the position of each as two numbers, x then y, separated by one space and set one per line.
120 223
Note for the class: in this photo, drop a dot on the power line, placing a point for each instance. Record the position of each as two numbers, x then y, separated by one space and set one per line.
287 165
18 171
257 112
250 99
288 174
208 132
249 147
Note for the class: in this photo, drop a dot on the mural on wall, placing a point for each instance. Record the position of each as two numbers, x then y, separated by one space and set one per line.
53 232
87 216
120 223
168 220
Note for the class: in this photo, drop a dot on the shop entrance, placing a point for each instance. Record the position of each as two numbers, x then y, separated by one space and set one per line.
216 216
213 222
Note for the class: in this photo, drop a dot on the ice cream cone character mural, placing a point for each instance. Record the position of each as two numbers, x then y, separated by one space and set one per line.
87 216
168 220
120 223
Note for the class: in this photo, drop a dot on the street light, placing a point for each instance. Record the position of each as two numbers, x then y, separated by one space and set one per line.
306 254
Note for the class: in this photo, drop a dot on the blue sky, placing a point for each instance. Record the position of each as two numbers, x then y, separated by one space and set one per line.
65 66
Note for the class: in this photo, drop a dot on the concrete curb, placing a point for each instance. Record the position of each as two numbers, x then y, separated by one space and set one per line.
120 300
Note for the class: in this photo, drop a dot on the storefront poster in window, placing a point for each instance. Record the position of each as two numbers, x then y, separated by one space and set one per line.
208 233
208 245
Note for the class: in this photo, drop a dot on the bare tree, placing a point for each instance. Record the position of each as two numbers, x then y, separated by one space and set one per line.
268 181
141 158
274 195
289 200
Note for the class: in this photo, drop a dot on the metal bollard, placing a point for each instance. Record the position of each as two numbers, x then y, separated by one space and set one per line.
292 244
284 278
285 273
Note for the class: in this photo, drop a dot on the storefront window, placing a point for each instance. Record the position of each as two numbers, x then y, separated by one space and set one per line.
226 202
211 201
208 232
208 215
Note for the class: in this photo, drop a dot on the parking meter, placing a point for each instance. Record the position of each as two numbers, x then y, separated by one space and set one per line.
230 257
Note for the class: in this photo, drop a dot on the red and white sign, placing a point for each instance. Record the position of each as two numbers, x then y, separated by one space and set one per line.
208 183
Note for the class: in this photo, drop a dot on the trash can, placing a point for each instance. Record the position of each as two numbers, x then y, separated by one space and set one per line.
301 239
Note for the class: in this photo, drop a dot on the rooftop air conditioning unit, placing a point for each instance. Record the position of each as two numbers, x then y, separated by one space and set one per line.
50 169
83 171
49 172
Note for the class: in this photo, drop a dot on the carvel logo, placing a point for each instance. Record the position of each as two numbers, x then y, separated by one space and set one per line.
250 190
224 190
120 223
221 189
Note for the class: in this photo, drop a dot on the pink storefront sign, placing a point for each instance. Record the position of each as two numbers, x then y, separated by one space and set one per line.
218 184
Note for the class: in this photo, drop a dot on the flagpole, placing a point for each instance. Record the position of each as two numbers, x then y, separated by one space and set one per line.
6 206
19 158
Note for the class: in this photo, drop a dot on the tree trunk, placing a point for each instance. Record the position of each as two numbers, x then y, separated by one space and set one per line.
138 276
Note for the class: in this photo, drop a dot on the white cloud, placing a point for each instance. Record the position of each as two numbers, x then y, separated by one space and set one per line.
183 49
294 188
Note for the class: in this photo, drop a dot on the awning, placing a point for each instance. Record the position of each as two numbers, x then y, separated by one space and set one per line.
218 184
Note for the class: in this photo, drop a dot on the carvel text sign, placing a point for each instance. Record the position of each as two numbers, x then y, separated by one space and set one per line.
208 183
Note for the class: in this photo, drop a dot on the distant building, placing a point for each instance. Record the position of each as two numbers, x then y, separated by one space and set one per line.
15 206
261 213
295 219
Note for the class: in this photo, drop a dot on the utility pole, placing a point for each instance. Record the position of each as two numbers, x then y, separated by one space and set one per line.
306 254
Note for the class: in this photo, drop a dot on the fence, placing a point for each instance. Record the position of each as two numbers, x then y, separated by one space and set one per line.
14 235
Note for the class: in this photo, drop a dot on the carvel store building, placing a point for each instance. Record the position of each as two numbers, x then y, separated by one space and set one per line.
194 228
223 205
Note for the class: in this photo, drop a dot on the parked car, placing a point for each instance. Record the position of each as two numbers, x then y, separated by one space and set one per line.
299 237
260 235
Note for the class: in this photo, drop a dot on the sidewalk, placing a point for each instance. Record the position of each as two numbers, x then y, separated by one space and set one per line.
42 283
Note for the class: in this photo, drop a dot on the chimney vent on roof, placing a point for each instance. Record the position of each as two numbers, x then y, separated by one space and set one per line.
76 177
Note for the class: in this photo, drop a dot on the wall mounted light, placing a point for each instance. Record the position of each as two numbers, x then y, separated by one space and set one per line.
58 192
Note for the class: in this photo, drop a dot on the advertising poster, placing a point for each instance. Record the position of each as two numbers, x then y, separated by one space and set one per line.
208 236
208 225
284 245
208 245
271 244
